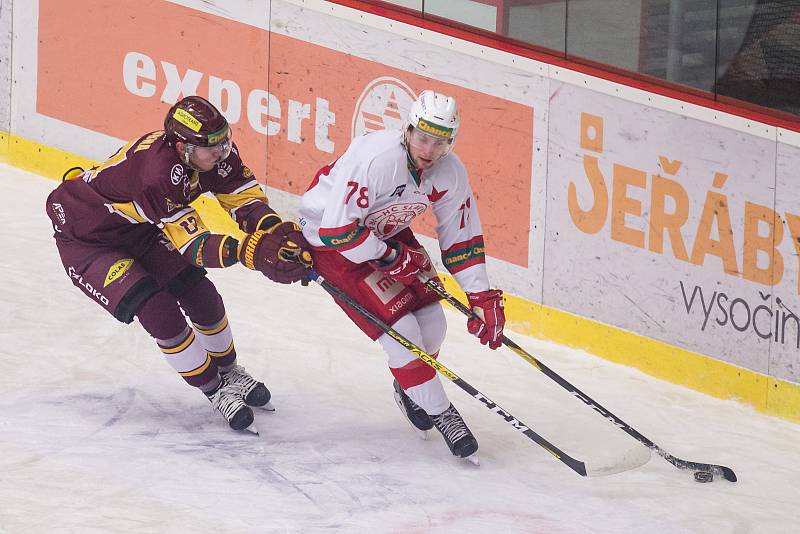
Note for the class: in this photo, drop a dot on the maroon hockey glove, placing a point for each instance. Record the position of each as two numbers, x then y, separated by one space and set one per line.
279 259
488 305
291 233
402 263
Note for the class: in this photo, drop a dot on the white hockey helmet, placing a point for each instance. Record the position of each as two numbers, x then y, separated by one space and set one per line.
435 114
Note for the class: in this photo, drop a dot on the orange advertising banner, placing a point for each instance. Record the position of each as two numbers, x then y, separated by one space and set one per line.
293 105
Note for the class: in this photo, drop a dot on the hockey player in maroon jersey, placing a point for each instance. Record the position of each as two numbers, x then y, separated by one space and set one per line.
129 239
357 215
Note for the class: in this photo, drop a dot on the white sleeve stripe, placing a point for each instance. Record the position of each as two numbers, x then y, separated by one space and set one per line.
244 187
177 216
188 243
140 211
234 210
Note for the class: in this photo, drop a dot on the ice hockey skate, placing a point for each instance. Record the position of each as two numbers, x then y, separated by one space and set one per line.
227 399
420 421
253 392
458 437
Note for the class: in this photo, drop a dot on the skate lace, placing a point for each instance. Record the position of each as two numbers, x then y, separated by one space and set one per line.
241 379
451 425
228 400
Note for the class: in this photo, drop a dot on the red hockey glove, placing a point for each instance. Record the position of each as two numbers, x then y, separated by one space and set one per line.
278 258
488 305
403 263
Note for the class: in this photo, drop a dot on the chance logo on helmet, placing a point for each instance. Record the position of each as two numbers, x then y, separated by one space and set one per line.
195 120
435 114
434 129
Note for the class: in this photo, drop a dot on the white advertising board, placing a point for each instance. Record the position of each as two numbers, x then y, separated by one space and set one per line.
784 361
663 225
633 210
5 64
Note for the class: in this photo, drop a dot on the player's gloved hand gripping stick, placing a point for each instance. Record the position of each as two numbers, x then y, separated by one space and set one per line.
576 465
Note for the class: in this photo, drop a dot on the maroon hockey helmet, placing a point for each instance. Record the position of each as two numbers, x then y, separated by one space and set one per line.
195 120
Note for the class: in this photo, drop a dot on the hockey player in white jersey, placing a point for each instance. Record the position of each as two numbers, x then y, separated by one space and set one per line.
357 215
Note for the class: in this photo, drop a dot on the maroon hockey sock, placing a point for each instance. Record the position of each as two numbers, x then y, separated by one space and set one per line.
161 317
203 303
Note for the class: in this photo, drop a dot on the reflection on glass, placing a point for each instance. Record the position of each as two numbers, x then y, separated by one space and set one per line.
743 49
410 4
542 23
679 41
482 15
762 59
608 31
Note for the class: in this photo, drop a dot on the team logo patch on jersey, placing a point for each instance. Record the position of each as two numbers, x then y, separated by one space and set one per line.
391 219
398 191
172 206
117 271
177 174
435 195
224 169
383 105
246 172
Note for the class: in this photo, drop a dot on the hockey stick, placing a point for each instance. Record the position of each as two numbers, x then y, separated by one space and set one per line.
725 472
576 465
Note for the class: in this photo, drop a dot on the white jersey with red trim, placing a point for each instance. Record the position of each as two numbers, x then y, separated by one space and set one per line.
369 194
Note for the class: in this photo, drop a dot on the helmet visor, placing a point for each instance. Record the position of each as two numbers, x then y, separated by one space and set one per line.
428 145
221 148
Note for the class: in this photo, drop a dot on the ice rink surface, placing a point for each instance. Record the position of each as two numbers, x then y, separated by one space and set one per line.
99 435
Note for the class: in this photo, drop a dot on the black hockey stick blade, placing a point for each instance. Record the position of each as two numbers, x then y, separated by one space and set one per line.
718 470
725 472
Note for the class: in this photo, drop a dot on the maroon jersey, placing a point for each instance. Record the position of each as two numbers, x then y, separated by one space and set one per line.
145 183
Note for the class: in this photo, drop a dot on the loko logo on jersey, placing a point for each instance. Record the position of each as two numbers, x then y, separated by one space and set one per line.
394 218
383 105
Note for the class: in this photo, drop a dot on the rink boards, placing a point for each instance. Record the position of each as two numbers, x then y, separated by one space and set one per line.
649 230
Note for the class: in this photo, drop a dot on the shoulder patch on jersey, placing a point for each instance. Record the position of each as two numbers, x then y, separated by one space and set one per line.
436 195
246 172
224 169
172 206
177 174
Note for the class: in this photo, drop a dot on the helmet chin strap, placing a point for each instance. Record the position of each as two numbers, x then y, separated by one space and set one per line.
412 167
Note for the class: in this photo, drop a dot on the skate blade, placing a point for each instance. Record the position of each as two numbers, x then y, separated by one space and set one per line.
422 434
473 459
267 407
252 429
